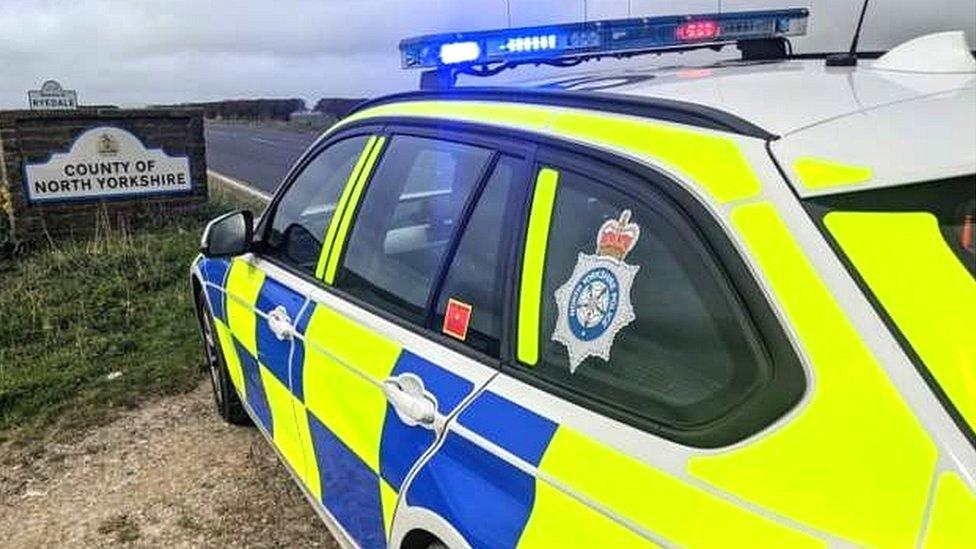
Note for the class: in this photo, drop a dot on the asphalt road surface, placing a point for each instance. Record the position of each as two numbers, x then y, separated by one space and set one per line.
252 154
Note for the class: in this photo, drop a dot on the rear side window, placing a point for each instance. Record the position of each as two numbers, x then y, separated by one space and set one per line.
470 306
636 316
304 212
406 220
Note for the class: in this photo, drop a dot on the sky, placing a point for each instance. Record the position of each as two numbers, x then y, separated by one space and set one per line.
137 52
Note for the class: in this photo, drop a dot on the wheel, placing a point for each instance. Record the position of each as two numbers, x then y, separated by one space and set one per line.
227 401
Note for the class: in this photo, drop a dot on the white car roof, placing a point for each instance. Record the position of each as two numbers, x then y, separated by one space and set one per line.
859 127
781 97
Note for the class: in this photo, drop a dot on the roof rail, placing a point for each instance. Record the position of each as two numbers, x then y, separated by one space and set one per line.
667 110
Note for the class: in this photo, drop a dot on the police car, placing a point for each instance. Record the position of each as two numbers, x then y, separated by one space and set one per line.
724 305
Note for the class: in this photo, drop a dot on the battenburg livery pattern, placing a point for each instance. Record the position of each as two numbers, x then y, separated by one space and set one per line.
868 456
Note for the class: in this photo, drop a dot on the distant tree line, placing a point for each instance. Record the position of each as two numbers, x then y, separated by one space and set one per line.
249 109
272 109
336 107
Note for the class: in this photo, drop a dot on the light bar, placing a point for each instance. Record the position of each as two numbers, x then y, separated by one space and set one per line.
598 38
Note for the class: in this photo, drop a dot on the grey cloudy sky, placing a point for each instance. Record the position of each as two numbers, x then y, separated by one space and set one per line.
133 52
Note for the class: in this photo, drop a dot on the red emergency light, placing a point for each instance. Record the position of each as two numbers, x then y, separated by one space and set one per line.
697 30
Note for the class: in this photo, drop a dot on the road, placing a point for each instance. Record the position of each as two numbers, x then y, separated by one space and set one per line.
252 154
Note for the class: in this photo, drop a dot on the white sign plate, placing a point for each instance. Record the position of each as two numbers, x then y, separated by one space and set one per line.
106 162
52 96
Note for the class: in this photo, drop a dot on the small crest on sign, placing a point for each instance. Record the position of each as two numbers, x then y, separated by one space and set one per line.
107 145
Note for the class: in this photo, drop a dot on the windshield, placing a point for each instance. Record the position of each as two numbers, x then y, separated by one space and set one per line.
913 250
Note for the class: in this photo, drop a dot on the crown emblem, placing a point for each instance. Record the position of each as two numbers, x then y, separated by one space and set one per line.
617 237
107 145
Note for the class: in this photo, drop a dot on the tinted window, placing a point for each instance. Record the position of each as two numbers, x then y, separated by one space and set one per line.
304 212
680 350
476 279
406 221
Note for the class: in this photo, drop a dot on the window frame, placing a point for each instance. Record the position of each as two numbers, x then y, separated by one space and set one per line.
785 382
500 143
311 153
772 328
464 213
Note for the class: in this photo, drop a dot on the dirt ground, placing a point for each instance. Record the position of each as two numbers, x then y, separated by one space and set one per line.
168 474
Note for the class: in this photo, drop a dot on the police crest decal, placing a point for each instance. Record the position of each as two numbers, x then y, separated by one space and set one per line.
594 304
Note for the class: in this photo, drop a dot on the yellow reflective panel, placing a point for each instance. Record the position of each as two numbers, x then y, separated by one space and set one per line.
350 209
388 498
351 404
348 404
330 234
243 285
533 261
712 161
369 352
281 404
815 173
855 461
953 521
678 512
231 359
485 112
923 287
558 520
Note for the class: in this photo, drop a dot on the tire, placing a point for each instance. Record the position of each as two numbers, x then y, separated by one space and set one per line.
226 399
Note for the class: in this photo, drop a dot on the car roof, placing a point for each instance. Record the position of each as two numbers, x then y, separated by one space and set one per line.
867 127
782 97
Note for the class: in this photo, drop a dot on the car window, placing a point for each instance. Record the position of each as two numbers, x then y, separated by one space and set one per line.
305 210
406 221
470 305
635 314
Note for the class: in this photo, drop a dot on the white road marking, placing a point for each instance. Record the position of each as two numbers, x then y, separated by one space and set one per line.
239 185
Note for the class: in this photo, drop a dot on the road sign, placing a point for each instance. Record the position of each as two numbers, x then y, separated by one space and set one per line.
52 96
106 162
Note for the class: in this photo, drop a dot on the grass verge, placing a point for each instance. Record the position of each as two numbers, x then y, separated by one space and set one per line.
91 327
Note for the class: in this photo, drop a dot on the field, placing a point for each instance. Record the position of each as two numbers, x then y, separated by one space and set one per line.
91 327
108 434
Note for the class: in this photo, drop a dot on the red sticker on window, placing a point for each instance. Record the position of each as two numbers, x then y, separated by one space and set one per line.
456 319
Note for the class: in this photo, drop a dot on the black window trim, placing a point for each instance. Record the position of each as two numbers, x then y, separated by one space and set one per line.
788 383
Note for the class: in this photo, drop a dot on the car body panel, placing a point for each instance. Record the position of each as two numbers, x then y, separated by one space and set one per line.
515 465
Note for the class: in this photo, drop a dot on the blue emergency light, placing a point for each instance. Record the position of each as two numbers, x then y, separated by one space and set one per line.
566 43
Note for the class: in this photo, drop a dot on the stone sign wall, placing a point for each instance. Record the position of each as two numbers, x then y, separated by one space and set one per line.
61 169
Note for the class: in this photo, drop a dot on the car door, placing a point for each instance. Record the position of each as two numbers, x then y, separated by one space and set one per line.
634 348
263 303
382 368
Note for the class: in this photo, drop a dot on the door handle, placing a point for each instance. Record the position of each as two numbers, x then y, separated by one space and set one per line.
280 323
411 401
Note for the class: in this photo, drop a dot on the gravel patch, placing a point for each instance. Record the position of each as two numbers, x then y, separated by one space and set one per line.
168 474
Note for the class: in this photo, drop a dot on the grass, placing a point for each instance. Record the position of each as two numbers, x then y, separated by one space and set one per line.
76 314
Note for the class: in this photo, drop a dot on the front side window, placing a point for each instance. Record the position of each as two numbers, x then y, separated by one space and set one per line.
635 314
304 212
406 220
914 248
